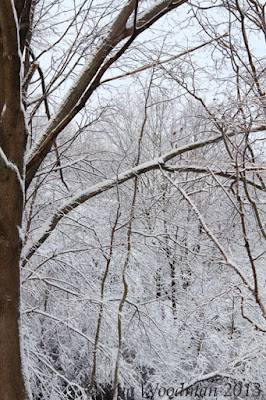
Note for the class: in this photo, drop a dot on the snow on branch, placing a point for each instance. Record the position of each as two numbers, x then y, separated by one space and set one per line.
228 260
153 13
87 81
83 195
6 164
202 170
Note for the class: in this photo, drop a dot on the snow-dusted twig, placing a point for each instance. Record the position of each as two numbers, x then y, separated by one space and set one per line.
219 246
83 195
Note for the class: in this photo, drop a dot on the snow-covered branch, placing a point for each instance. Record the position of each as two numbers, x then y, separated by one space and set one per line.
83 195
6 164
206 170
228 260
116 33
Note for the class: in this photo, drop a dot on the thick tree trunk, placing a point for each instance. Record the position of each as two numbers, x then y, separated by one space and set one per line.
13 134
2 96
11 379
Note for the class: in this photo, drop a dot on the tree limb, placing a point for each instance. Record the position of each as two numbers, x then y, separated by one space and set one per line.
120 30
84 195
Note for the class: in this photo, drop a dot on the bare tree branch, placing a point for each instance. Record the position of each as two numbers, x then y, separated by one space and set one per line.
82 196
78 93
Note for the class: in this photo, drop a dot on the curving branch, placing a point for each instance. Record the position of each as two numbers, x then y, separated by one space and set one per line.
83 195
95 67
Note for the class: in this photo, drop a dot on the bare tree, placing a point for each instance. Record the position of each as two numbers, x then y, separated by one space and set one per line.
16 20
78 233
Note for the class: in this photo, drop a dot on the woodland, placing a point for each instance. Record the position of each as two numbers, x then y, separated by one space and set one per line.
132 199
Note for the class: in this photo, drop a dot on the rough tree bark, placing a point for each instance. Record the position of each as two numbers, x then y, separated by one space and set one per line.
13 134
